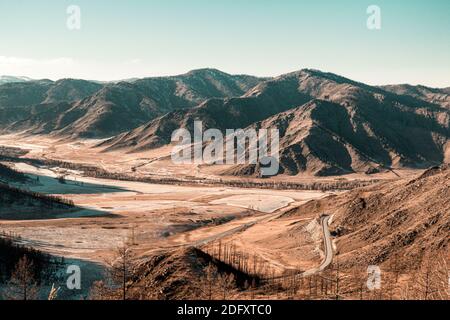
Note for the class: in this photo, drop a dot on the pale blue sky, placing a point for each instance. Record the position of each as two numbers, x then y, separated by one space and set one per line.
137 38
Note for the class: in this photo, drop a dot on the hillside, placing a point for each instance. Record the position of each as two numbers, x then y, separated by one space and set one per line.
21 104
182 274
432 95
328 124
77 108
326 138
8 175
9 79
405 220
279 94
18 204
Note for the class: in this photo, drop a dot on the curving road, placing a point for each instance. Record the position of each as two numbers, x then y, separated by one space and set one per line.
328 248
328 244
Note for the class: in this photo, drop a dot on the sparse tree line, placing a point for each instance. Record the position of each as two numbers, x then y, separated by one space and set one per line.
218 280
10 195
229 274
12 152
428 281
24 270
7 173
95 172
250 265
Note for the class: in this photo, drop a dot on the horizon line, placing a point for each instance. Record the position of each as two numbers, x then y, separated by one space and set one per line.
30 79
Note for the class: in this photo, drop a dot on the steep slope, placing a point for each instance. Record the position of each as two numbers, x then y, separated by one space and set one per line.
403 220
77 108
326 138
71 90
8 175
279 94
23 94
432 95
24 100
18 204
181 274
353 127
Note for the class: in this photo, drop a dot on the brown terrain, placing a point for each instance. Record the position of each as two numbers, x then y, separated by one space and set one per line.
401 227
329 125
78 108
86 174
408 218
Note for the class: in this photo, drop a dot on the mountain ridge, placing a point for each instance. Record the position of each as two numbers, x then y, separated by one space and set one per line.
367 129
102 110
331 125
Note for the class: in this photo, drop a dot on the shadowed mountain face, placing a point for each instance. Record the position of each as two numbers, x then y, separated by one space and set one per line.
77 108
278 95
25 101
329 125
326 138
432 95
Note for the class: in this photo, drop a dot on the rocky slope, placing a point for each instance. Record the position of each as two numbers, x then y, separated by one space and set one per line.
326 138
403 220
432 95
328 124
77 108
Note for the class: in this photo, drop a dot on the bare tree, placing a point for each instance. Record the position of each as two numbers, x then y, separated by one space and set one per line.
22 285
227 283
431 281
132 237
395 267
337 279
101 291
358 280
425 280
443 278
209 281
120 268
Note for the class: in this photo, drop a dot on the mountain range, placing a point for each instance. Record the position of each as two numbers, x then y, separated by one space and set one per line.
329 125
87 109
8 79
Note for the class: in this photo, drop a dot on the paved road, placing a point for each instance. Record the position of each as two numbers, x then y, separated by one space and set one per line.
328 244
328 248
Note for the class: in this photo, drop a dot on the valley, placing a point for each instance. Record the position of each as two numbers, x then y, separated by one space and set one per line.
160 216
82 187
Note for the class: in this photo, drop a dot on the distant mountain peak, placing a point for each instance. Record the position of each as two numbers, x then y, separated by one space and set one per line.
9 79
206 70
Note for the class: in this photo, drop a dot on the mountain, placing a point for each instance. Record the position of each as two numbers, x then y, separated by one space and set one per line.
279 95
326 138
71 90
432 95
328 125
77 108
25 100
404 220
9 79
